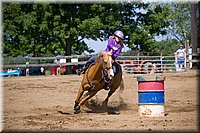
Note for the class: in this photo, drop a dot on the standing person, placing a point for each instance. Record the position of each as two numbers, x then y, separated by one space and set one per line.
115 43
180 54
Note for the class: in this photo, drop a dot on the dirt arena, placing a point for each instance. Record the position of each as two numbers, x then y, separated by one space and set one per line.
45 103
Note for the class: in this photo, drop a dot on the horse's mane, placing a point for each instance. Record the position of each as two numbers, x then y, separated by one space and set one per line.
97 60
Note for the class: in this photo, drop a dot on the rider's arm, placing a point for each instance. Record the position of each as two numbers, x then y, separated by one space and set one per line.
110 44
116 53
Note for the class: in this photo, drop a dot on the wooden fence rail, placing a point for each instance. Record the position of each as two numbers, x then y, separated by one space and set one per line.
168 62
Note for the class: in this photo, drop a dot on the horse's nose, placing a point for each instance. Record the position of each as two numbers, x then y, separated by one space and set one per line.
110 77
111 73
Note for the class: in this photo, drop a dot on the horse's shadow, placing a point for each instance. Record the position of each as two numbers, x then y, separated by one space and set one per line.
97 106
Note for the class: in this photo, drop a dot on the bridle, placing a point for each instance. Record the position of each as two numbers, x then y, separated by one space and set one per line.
105 71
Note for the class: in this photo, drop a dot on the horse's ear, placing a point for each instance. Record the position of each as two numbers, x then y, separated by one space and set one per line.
101 53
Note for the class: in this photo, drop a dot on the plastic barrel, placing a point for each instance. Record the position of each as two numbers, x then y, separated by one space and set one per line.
151 98
151 86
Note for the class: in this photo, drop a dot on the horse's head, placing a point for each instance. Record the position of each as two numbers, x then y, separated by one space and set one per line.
106 59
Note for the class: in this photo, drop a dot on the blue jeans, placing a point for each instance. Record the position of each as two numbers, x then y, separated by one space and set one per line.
181 61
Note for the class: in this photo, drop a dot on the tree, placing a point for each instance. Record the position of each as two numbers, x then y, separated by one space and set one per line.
180 21
43 28
168 46
25 31
152 23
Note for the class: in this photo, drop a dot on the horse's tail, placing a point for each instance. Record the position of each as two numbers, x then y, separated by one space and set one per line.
121 85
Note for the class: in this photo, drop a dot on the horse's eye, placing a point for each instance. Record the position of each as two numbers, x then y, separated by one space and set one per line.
106 63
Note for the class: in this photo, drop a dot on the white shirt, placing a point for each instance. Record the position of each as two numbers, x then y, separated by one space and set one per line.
180 53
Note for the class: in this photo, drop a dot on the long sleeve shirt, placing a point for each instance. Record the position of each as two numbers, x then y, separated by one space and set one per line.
116 49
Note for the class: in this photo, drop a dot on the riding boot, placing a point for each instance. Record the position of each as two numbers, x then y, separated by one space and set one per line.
81 71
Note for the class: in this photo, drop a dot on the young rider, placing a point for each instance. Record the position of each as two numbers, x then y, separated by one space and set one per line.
115 43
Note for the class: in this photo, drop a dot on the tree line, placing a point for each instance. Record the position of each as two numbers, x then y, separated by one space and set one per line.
48 29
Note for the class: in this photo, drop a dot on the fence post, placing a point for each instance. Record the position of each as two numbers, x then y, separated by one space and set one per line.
138 58
27 68
190 57
58 66
161 62
176 61
138 61
185 61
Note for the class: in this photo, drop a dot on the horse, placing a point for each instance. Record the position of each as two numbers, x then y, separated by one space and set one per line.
99 73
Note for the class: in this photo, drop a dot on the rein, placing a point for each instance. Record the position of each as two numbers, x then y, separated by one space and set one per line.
104 77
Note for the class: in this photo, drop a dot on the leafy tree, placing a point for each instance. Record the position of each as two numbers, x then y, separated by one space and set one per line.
24 29
168 46
152 24
43 28
180 21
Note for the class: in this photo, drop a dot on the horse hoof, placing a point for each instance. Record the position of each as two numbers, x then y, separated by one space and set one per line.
76 110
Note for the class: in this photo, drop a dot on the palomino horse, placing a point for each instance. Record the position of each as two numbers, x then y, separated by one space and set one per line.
96 76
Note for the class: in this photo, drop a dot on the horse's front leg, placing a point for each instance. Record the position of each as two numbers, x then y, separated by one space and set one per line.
107 98
87 97
79 95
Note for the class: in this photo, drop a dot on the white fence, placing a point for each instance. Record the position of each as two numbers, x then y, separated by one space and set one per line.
147 64
157 64
131 64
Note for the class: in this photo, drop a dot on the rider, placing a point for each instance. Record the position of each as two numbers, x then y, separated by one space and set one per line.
115 43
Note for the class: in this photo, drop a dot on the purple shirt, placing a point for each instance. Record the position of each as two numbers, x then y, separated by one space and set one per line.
116 49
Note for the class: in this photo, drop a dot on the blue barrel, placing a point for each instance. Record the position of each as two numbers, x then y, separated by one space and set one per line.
151 97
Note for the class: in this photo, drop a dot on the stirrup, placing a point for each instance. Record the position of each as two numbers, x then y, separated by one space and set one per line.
83 70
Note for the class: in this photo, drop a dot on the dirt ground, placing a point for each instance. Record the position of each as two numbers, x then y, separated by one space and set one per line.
45 103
